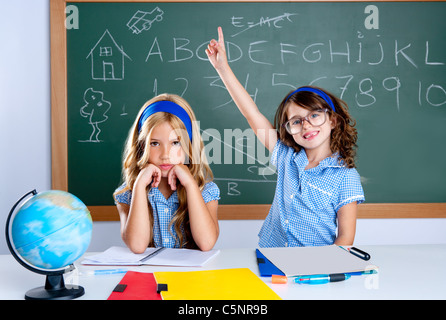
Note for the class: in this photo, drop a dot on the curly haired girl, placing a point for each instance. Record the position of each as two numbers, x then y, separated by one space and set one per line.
313 146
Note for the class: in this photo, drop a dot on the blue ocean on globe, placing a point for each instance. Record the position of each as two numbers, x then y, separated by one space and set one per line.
52 229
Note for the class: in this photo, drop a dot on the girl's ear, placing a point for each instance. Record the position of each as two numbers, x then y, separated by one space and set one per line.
333 120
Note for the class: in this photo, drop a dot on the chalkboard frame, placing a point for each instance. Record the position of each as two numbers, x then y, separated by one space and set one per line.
59 136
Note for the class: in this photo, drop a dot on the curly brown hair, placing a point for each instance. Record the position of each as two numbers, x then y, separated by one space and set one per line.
343 136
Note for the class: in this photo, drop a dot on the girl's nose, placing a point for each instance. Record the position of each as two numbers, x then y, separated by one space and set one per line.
306 123
166 153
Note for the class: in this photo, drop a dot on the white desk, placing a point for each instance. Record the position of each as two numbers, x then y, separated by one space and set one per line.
405 272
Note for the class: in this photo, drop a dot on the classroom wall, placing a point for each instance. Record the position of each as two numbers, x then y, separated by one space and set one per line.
25 139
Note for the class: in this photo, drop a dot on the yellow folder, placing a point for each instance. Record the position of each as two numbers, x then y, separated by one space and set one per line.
223 284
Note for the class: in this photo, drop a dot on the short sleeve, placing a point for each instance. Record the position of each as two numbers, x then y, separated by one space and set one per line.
279 150
122 196
350 189
210 192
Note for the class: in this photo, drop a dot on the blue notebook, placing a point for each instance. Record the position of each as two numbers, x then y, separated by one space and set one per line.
266 268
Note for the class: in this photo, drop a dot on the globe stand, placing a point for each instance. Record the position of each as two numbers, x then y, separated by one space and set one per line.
55 289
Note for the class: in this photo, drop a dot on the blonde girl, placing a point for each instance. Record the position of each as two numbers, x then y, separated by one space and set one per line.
168 198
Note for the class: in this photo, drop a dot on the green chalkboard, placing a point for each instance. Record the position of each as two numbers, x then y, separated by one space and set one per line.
387 62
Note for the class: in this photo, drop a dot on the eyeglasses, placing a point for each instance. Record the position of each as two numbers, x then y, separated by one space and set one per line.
315 118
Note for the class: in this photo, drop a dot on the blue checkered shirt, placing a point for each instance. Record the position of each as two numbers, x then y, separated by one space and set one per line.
305 204
164 210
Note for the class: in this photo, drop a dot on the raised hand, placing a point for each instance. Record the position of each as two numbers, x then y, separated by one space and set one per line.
216 51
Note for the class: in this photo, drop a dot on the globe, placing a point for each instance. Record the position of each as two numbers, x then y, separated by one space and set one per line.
47 233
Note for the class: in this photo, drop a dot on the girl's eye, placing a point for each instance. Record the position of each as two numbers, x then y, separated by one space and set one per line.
296 122
154 144
176 143
314 115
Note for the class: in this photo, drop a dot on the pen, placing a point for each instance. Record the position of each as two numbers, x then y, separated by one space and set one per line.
322 278
103 272
359 253
360 273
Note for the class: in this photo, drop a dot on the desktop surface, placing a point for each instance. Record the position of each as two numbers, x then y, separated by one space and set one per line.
405 272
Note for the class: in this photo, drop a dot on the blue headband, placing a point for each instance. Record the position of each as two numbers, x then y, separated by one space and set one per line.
321 93
169 107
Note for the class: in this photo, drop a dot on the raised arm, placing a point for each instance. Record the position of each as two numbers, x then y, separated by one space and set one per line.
263 129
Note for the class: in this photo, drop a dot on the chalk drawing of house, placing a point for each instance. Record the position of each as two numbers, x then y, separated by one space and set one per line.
107 59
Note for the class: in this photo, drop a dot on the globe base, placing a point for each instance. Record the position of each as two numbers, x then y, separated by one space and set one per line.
55 289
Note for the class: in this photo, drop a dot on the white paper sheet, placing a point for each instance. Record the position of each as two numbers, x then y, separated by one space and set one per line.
161 257
315 260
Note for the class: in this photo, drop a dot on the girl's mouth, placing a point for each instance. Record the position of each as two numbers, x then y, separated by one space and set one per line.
310 135
166 167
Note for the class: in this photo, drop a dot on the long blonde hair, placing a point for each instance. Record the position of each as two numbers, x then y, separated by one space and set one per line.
137 152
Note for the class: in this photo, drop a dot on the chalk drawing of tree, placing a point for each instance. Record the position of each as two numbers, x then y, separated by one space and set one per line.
95 110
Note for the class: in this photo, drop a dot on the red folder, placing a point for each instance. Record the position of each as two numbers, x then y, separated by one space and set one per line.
136 286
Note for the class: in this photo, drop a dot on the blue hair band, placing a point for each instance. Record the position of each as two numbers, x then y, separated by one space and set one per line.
169 107
320 93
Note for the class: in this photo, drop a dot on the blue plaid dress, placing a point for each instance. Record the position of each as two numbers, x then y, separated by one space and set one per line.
306 202
164 210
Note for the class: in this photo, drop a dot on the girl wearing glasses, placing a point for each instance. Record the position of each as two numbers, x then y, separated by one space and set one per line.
313 145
